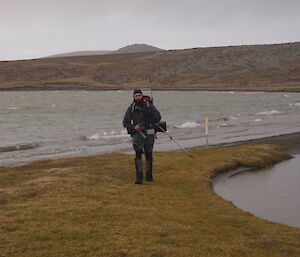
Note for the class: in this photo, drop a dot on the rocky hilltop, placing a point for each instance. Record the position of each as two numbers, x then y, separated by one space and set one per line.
250 67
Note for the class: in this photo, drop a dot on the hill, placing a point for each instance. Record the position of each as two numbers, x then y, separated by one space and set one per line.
127 49
137 48
252 67
81 53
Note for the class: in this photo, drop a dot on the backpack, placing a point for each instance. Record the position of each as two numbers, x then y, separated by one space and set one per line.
158 127
146 99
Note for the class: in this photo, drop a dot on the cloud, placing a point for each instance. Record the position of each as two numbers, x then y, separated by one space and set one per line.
38 28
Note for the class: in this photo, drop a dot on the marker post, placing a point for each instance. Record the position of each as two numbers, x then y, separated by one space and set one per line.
206 131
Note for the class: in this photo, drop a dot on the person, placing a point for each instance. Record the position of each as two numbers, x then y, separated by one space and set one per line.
139 120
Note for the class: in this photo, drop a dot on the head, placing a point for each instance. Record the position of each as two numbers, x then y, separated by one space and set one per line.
138 95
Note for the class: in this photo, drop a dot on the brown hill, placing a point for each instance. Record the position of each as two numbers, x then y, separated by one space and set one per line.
256 67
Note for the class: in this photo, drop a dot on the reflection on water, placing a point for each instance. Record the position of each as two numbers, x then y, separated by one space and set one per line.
272 193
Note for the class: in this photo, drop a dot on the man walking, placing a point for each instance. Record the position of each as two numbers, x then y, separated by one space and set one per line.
139 120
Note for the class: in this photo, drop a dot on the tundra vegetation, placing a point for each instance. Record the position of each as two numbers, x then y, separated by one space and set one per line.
89 206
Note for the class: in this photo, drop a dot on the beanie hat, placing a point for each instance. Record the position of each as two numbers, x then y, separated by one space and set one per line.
137 91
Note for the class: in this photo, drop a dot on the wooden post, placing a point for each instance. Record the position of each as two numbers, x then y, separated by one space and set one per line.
206 131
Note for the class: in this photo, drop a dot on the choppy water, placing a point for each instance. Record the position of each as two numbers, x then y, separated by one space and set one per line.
272 193
46 124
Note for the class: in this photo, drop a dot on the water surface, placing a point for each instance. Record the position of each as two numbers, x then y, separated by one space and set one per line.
50 124
272 193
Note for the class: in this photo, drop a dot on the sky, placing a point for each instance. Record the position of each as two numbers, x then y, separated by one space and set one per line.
39 28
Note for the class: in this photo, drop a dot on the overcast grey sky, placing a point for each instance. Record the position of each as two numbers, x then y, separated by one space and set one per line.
37 28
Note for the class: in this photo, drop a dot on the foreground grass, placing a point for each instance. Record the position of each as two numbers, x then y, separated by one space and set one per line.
89 206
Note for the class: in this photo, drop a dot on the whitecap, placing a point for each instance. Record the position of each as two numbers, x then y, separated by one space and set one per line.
233 118
258 120
294 104
108 135
13 108
269 112
221 92
93 137
286 95
189 124
224 125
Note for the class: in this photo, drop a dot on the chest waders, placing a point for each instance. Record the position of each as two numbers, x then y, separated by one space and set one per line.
142 141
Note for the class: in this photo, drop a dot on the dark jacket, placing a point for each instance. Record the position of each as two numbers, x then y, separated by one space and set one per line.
143 113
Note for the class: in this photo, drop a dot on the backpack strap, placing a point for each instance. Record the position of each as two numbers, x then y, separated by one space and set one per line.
132 108
148 106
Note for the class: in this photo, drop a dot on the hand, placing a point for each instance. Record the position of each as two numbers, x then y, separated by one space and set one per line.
138 127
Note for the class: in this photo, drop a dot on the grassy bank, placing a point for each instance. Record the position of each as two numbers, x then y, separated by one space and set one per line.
89 206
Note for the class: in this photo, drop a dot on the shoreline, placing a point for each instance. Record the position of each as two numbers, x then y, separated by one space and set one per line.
85 87
289 142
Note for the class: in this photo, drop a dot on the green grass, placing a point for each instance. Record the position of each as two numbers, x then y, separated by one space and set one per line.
89 206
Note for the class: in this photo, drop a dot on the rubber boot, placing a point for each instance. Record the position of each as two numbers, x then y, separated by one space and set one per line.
149 170
139 171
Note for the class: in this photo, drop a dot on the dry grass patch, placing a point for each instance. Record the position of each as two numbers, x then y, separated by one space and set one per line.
89 206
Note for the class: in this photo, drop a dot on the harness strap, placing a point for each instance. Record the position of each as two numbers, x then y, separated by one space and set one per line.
132 110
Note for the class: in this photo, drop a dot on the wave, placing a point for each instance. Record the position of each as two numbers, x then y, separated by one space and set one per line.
294 104
18 147
108 135
223 125
269 112
221 92
224 118
189 124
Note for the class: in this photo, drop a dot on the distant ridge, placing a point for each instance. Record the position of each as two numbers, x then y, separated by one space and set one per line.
273 67
81 53
135 48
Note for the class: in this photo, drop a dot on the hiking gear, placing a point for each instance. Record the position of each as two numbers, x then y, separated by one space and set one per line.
137 91
150 131
160 126
138 171
142 134
149 163
143 113
165 132
147 98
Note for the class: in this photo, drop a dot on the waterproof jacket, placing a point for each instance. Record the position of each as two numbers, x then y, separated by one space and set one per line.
143 113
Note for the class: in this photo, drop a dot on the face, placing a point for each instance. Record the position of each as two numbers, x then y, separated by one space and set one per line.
138 97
